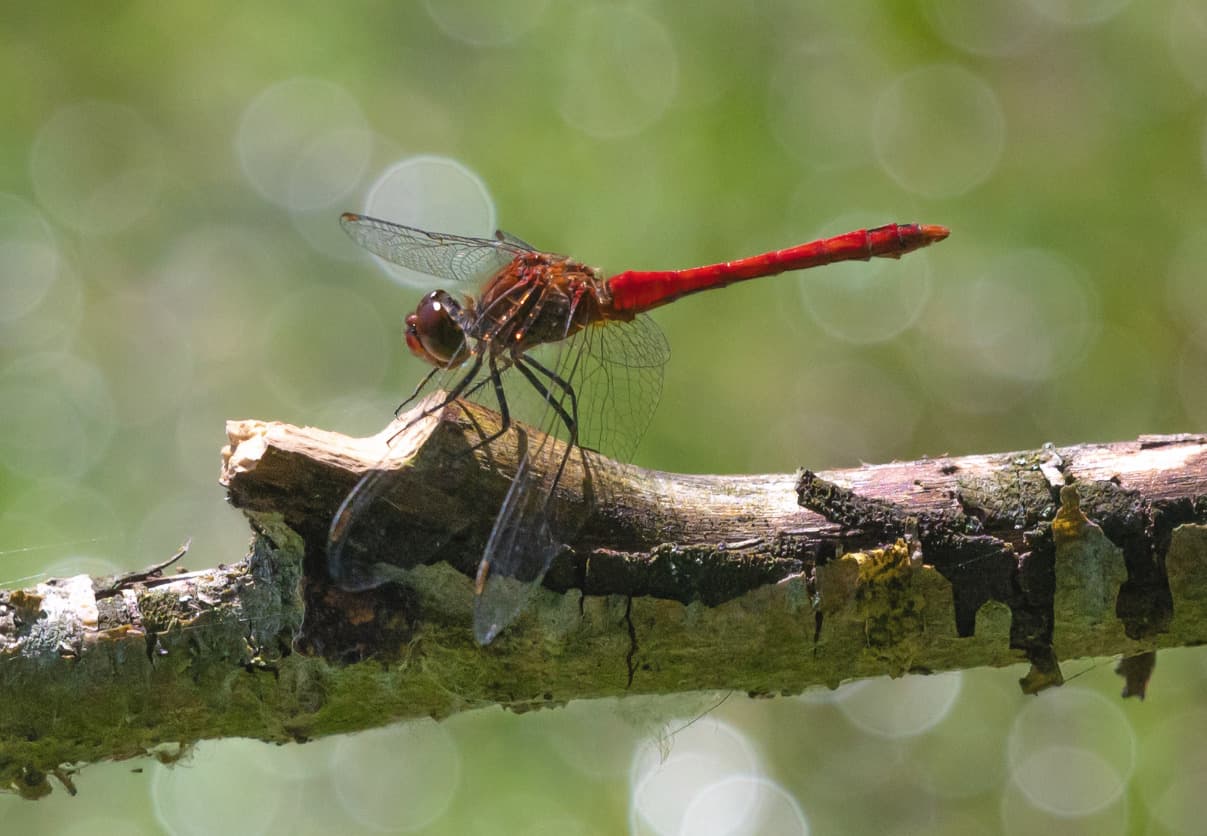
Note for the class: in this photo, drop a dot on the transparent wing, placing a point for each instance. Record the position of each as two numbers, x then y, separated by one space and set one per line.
614 371
619 384
521 548
515 241
447 256
368 544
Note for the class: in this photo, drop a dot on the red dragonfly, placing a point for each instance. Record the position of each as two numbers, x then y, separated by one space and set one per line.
575 345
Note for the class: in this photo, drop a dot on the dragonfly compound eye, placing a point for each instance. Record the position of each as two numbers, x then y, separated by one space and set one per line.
433 332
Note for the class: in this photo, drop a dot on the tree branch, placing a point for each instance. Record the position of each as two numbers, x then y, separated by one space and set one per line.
762 584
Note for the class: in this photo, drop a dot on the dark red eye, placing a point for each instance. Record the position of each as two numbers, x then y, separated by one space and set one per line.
433 332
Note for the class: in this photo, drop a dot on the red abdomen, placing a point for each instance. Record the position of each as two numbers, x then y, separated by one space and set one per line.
634 291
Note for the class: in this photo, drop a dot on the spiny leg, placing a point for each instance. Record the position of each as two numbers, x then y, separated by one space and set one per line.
426 379
494 376
571 425
570 422
561 383
450 396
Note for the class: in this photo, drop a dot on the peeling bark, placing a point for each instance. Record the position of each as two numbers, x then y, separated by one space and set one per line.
761 584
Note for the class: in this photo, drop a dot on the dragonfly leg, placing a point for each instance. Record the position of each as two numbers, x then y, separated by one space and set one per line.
423 383
570 419
572 426
451 395
504 414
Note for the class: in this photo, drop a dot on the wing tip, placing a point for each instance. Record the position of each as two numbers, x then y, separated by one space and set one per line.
485 633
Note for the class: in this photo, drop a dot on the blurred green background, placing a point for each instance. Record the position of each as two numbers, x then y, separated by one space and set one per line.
170 182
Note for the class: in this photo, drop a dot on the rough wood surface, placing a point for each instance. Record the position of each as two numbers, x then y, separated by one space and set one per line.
762 584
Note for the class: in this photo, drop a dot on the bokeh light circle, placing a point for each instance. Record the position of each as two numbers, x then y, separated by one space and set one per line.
1071 752
41 296
30 257
303 143
1173 769
57 413
328 167
1028 316
897 708
97 166
486 22
623 74
939 131
31 269
743 804
1020 816
666 774
987 27
219 789
434 193
1067 780
397 779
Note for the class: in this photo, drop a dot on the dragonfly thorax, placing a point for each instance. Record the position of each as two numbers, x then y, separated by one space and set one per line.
535 300
434 333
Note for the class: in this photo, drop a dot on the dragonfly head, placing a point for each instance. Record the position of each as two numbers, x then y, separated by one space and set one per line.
434 333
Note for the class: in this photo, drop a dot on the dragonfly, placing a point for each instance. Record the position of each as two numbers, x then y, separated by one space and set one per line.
576 346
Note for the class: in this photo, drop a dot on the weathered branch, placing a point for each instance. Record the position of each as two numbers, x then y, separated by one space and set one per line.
763 584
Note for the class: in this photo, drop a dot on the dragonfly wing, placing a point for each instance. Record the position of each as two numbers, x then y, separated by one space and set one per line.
367 544
615 370
359 573
519 552
513 240
532 526
447 256
619 383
